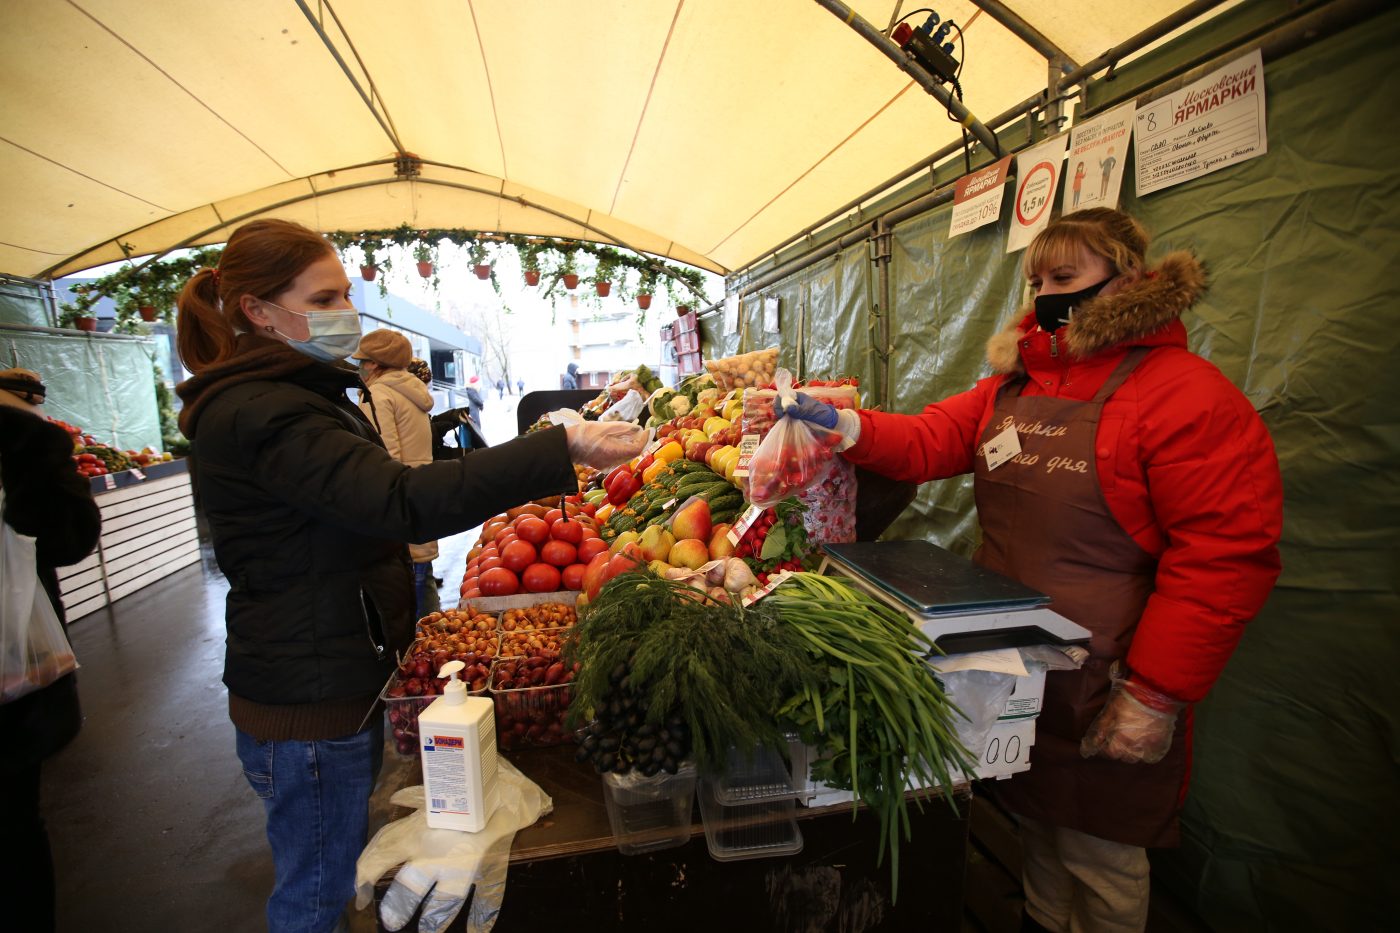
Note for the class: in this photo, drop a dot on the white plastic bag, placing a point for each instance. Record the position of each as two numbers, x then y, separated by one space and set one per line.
625 409
34 652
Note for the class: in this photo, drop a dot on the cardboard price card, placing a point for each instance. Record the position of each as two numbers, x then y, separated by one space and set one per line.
1203 127
977 198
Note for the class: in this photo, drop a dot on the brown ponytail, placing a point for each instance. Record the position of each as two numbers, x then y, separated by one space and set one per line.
203 334
262 259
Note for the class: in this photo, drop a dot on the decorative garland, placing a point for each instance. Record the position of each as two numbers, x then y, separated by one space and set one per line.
552 261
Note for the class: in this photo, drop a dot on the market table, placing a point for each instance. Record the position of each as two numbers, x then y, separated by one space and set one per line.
566 869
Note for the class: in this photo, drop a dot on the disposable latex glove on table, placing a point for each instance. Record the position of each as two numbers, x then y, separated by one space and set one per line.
440 866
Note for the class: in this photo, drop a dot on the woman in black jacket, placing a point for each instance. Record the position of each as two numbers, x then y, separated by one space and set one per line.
309 516
47 500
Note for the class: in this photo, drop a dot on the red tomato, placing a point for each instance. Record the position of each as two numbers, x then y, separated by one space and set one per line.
472 593
498 581
558 553
490 563
534 530
540 578
518 555
552 516
591 548
573 577
567 530
505 539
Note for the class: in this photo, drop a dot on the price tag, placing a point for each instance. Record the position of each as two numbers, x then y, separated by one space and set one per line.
744 522
1002 448
773 583
653 447
109 481
138 474
747 445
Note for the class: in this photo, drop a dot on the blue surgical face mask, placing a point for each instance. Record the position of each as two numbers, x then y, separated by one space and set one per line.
331 335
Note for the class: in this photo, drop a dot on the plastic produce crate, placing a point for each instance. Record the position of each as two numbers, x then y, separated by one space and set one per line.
650 813
750 811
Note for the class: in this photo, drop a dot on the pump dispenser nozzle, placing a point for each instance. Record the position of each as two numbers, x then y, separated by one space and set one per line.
455 693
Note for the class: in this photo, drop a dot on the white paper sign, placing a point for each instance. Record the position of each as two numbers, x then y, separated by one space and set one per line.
731 314
977 198
770 315
1206 126
1097 151
1037 175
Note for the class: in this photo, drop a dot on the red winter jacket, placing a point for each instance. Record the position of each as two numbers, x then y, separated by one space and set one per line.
1186 466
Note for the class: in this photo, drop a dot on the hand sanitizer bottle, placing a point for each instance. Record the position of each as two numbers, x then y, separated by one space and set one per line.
458 736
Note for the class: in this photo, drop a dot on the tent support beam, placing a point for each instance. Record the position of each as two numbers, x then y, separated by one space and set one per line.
369 97
921 77
1024 31
314 193
1035 101
1286 37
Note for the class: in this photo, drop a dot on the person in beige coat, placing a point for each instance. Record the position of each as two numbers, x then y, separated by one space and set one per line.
397 403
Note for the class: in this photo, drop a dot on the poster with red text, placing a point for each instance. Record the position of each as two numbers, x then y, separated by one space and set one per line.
977 197
1205 126
1037 176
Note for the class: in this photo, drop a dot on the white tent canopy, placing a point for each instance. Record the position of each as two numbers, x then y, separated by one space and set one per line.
705 131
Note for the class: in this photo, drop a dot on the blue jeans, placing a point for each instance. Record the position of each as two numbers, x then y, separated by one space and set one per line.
316 795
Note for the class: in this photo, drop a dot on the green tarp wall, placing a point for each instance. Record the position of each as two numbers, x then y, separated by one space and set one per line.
1293 815
104 385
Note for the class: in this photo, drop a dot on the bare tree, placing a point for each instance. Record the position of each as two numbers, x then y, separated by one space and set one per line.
491 323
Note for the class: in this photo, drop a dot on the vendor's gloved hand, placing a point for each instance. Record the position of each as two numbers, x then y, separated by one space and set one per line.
1135 725
604 444
805 408
440 866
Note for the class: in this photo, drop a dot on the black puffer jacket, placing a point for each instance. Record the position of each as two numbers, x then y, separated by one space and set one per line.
47 500
310 516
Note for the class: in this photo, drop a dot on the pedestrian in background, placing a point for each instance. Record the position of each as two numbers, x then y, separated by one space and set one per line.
397 403
47 500
474 400
500 388
520 385
570 380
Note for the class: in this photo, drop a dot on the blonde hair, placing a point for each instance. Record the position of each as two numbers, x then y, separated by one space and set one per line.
262 259
1111 235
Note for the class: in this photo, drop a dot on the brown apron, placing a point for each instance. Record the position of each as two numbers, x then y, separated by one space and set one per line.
1045 523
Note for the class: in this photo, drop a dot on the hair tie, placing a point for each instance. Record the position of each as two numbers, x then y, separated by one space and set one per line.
214 274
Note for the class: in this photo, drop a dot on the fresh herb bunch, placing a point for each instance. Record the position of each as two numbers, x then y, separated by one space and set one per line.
722 667
880 718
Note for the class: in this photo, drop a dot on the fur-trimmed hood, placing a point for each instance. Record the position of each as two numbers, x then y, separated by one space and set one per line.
1147 307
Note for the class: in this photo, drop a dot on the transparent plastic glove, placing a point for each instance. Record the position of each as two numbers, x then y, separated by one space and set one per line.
843 421
1135 725
440 866
602 445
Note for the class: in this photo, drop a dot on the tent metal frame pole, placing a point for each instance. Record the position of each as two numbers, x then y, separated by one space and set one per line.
1290 35
386 122
1024 31
910 67
605 236
1035 101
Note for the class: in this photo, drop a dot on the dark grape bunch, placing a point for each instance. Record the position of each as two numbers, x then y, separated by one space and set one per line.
622 739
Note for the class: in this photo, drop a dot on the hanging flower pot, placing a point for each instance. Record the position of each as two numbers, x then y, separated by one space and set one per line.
425 269
148 313
368 272
603 288
570 280
86 323
682 310
482 270
644 301
532 277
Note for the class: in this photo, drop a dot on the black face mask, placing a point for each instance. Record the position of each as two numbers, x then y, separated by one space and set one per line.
1052 311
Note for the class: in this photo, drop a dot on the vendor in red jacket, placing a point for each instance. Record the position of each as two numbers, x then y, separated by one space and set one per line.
1128 479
